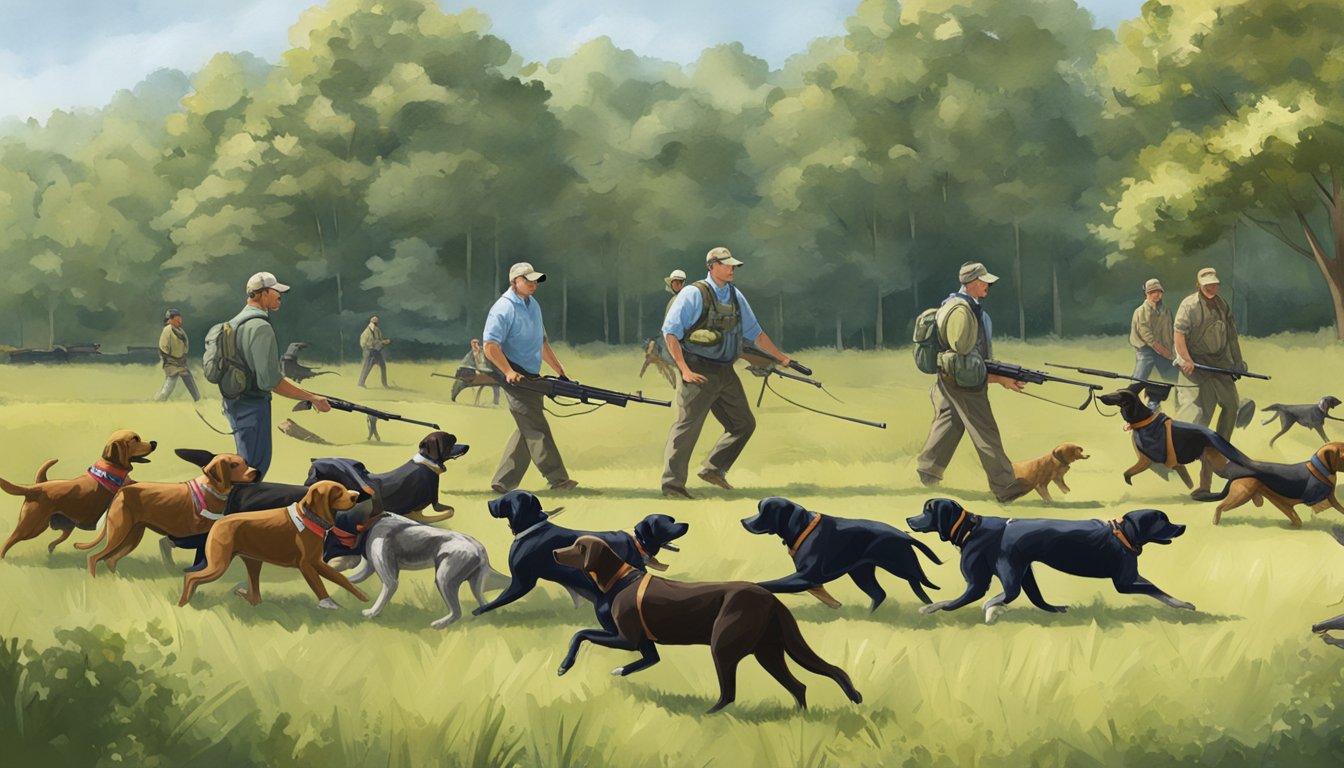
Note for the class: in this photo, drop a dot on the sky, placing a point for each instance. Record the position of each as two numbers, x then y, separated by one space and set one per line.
64 54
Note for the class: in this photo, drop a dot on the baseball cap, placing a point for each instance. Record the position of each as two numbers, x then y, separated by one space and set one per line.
974 270
721 255
262 280
1153 284
1208 276
170 314
523 269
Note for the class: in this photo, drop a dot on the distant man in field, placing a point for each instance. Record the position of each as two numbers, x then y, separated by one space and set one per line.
1205 333
705 328
371 341
960 391
476 360
173 348
1150 334
516 343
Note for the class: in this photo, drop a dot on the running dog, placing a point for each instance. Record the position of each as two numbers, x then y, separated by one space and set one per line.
1309 416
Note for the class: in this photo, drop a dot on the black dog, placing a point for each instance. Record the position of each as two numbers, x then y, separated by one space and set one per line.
1337 623
1160 439
993 546
824 548
1309 416
406 490
532 558
293 369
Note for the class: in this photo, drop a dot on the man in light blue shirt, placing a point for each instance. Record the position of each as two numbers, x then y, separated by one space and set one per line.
515 341
705 328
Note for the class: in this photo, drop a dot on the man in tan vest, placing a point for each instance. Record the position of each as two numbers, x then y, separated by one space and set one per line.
1205 333
173 347
1150 334
372 342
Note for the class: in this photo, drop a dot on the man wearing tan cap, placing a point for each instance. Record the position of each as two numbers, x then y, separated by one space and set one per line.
249 414
704 328
371 343
1150 334
960 395
1205 333
515 342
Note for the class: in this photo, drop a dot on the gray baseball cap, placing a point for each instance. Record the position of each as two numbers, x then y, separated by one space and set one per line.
972 271
263 280
721 255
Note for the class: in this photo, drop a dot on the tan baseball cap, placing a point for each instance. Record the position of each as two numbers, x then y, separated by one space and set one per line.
263 280
975 271
721 255
1208 276
677 274
1153 284
523 269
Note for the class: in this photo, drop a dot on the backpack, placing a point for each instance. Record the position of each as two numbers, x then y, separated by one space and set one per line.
934 355
224 364
927 341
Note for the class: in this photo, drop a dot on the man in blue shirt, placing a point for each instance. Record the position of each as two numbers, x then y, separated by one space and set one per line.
705 327
515 341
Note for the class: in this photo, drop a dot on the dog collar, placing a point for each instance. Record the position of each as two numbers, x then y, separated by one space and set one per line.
420 459
1141 424
530 529
649 560
303 519
966 524
806 532
1318 468
109 477
625 570
1119 534
197 489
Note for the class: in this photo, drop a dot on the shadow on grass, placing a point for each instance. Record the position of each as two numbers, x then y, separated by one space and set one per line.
142 565
907 615
1309 523
754 712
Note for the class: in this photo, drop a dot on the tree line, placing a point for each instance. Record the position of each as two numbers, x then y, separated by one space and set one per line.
398 159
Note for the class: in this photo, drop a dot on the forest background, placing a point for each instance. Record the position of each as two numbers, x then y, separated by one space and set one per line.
398 158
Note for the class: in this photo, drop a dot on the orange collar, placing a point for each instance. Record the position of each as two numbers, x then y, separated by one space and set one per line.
806 532
621 573
631 533
639 605
1144 423
952 534
1115 528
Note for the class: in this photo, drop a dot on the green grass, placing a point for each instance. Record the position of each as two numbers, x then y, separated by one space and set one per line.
1116 680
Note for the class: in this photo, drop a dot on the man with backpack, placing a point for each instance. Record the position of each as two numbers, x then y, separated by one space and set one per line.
243 358
962 332
705 327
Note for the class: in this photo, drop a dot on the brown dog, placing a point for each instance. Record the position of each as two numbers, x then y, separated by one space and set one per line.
79 501
290 536
172 509
733 618
1050 468
1284 485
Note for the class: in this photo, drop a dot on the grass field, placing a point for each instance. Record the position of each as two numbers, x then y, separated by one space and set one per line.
1117 680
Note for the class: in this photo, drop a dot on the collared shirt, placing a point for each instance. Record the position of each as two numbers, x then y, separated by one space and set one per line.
173 348
1210 332
687 306
514 323
1151 325
257 344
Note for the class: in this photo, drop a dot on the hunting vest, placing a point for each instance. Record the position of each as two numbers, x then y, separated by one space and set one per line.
717 334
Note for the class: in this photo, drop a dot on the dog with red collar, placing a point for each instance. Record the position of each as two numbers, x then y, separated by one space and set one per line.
289 536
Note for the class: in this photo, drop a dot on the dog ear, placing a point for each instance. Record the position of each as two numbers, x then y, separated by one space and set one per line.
1333 456
218 471
117 452
334 494
1060 453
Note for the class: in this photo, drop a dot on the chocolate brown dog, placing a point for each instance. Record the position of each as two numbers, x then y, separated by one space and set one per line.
290 536
733 618
172 509
80 501
1050 468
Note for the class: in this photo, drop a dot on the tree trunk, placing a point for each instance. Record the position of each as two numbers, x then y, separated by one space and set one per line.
340 315
1330 267
498 285
1055 300
620 311
779 321
20 314
51 323
564 305
839 334
639 318
606 318
877 281
1017 278
914 275
466 314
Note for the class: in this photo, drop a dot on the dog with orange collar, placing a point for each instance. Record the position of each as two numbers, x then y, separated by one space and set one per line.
1007 548
289 536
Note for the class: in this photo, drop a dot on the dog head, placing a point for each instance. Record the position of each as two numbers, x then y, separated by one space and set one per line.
779 516
1332 454
1328 402
1067 453
939 515
1127 395
125 447
226 470
442 447
327 497
520 508
590 555
1151 526
656 532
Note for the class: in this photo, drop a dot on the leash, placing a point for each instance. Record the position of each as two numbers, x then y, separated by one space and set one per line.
211 426
878 424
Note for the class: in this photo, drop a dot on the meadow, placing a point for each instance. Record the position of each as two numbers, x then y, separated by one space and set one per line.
1118 680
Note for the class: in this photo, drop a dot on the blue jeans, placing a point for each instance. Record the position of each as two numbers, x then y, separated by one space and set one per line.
1146 361
250 419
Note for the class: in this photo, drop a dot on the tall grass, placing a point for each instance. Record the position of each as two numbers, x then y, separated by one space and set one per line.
1118 680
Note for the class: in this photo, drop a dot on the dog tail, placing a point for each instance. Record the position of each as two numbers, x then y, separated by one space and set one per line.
14 489
102 534
41 476
922 547
494 579
1207 496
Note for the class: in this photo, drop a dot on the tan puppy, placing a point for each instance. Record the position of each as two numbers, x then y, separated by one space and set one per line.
290 536
1050 468
172 509
79 501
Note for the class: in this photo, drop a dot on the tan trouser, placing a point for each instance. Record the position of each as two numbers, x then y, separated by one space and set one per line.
957 411
1215 391
722 395
531 442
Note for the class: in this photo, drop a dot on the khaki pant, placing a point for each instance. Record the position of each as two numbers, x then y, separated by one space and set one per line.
957 411
722 395
531 442
373 357
1215 391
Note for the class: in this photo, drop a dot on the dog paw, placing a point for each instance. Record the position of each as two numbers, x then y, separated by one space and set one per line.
477 611
561 670
1186 606
441 623
327 604
1128 480
618 672
992 613
932 607
369 613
